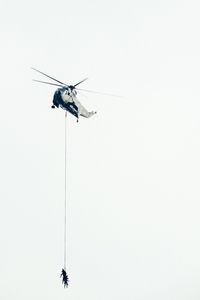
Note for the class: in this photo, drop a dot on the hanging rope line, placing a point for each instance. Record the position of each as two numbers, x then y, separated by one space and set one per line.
65 198
64 275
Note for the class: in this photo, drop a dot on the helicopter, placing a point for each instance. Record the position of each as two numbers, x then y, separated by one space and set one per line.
66 97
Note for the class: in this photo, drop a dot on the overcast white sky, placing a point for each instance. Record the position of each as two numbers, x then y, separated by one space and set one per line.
133 169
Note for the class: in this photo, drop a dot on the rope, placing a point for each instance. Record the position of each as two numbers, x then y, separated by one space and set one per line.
65 198
65 278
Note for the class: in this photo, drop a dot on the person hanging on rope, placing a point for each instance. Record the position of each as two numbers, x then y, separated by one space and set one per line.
65 279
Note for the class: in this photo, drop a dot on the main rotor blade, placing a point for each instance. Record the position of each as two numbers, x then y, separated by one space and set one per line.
100 93
80 81
49 76
47 82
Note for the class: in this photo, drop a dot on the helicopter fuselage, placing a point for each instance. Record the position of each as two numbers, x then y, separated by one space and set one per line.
67 100
65 97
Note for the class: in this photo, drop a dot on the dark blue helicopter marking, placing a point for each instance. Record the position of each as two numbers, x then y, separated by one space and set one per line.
69 106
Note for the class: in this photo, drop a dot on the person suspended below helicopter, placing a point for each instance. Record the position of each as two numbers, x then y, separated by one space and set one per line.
65 279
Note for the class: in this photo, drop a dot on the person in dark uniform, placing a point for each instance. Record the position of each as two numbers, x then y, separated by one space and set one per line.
65 279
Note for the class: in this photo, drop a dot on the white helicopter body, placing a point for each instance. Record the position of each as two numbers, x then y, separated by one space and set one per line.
66 98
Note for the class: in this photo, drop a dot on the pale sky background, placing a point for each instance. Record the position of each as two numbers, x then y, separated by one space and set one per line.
133 169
